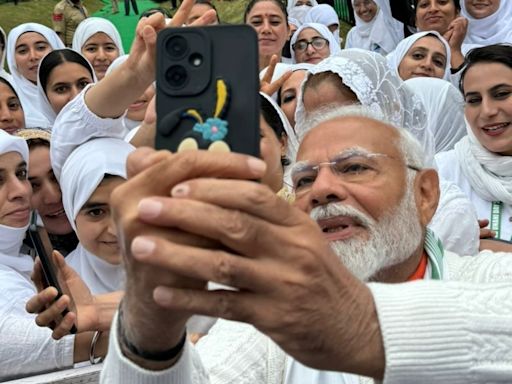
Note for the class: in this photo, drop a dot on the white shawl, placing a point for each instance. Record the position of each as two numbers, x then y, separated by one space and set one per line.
326 15
11 238
383 31
489 174
93 25
445 109
27 91
334 47
395 58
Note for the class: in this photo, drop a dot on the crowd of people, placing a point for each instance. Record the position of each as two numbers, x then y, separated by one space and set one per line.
376 246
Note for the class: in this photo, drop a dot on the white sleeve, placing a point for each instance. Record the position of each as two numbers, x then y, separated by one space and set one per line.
445 332
26 349
230 353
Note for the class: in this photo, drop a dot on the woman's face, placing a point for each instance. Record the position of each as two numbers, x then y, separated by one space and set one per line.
270 149
137 110
426 58
488 110
289 92
14 191
65 82
299 3
480 9
271 26
11 113
324 94
30 48
365 9
435 15
94 225
101 51
46 195
315 51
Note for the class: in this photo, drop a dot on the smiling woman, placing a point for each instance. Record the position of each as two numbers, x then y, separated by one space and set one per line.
11 111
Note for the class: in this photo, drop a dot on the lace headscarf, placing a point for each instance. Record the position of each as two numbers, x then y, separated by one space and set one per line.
395 58
445 109
378 88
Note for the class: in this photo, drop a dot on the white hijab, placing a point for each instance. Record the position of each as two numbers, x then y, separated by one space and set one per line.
93 25
445 109
44 104
3 72
489 173
377 87
334 47
326 15
395 58
383 31
27 91
493 29
82 173
11 238
292 4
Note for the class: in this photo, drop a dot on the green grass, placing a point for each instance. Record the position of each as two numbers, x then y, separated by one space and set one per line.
37 11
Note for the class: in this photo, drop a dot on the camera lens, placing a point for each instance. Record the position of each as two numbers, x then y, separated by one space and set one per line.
177 47
176 76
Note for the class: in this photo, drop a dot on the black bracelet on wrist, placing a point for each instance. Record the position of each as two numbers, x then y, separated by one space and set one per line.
146 355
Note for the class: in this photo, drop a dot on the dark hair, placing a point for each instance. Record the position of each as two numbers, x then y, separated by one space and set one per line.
455 2
271 116
56 58
210 4
317 79
280 4
152 11
2 41
36 143
496 53
6 82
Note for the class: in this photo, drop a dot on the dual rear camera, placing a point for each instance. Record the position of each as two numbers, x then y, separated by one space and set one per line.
177 48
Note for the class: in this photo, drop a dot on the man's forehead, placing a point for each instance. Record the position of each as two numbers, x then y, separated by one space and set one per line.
336 135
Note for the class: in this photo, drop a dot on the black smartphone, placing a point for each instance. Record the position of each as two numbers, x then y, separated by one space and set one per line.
43 247
207 89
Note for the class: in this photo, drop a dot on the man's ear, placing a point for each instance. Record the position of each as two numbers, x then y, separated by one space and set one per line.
427 194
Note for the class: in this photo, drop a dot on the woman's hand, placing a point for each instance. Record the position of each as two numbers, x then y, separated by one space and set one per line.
485 233
266 85
455 36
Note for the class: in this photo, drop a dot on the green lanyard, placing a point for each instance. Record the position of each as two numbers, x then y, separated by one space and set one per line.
497 207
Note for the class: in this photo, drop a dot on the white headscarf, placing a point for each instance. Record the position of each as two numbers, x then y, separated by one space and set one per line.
27 91
93 25
326 15
377 87
11 238
489 173
292 4
334 47
44 104
294 21
395 58
493 29
3 72
445 109
82 173
383 31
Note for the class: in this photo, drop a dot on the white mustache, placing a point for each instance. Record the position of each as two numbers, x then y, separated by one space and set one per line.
337 209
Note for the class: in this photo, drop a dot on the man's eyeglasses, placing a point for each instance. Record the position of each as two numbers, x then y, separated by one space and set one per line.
354 166
316 42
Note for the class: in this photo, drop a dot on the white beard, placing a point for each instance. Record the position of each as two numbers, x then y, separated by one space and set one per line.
391 240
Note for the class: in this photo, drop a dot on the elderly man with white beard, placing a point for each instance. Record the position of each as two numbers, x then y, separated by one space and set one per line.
364 183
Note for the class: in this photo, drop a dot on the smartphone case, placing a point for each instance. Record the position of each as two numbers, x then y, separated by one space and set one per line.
218 106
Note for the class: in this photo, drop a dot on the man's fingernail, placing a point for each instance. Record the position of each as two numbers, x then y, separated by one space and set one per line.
142 246
180 190
149 208
256 165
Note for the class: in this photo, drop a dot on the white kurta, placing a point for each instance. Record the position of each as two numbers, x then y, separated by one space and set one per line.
452 337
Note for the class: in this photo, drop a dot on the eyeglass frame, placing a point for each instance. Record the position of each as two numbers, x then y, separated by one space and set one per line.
310 42
345 155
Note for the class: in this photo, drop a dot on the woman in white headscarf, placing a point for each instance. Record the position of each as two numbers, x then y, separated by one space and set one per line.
326 15
3 51
489 23
358 76
298 9
27 44
481 163
62 75
306 35
26 348
376 30
100 42
445 110
424 54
